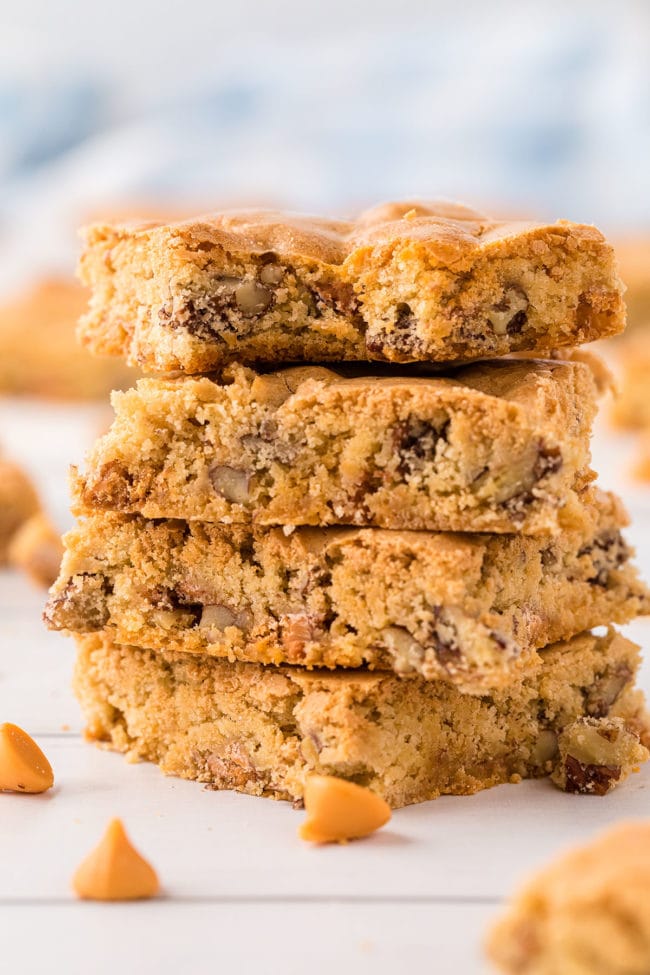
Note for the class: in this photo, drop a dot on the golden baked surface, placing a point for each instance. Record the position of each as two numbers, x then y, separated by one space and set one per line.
404 282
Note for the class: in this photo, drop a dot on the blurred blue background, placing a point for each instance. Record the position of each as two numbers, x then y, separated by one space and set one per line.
525 108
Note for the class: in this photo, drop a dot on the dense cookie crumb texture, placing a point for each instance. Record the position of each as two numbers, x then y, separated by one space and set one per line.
588 912
467 609
405 282
500 446
261 730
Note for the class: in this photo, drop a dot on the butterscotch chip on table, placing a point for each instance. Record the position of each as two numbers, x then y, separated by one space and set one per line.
588 912
641 469
18 502
115 871
37 549
338 810
39 352
263 730
500 446
404 282
469 609
23 766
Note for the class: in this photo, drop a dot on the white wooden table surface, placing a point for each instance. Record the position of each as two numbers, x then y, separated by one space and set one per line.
241 892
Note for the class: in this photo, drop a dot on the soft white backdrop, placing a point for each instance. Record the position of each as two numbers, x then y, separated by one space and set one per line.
318 106
518 105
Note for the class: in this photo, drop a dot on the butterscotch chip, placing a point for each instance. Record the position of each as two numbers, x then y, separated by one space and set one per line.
633 256
37 549
23 766
404 282
338 810
631 407
642 468
586 913
115 871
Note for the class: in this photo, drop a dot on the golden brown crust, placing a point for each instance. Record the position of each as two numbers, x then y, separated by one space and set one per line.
297 235
445 229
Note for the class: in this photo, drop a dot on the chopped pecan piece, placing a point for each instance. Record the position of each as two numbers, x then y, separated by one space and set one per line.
416 442
594 754
217 617
232 768
296 630
230 483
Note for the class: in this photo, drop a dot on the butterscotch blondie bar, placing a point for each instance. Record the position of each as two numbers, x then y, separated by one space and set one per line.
498 446
633 255
39 354
586 913
262 729
18 502
631 407
404 282
469 609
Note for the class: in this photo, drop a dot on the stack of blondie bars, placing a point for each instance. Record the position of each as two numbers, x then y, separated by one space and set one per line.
333 532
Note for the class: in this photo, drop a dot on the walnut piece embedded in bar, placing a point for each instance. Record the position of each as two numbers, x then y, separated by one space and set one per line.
500 446
261 730
405 282
468 609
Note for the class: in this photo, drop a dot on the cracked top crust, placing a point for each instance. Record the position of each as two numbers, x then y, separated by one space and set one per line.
446 227
403 282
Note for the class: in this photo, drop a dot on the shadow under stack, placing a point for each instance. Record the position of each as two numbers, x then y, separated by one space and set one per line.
336 530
